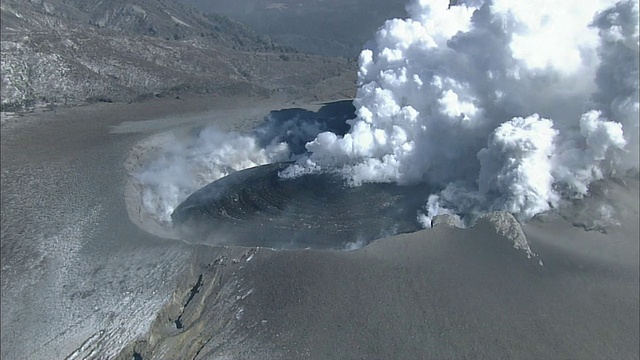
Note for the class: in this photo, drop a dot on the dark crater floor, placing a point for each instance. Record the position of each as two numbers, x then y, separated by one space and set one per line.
255 207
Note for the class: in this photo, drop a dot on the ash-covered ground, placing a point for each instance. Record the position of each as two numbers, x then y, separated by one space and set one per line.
80 279
530 248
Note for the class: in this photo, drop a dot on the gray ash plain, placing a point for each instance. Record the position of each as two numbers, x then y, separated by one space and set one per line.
80 279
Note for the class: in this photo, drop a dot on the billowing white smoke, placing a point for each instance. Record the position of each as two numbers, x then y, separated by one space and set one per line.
500 105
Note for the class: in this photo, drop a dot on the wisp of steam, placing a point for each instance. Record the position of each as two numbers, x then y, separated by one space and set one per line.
497 105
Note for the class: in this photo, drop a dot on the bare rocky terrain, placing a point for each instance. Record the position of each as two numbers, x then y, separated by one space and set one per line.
58 52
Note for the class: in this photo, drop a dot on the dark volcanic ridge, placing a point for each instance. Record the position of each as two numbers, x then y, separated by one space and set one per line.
256 207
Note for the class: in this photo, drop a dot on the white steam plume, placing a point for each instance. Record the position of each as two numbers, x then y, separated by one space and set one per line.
501 105
183 166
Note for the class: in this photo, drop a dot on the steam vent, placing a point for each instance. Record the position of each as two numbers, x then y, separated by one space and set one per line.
255 207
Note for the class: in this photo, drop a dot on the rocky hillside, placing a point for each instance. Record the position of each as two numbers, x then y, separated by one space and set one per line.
73 51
